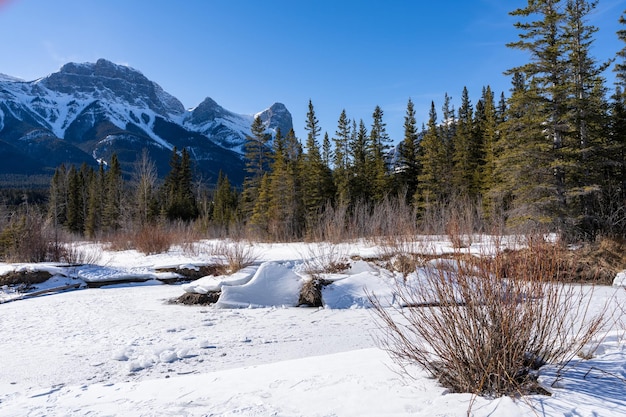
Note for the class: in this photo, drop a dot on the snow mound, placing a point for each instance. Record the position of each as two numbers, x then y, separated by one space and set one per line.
272 285
352 292
215 283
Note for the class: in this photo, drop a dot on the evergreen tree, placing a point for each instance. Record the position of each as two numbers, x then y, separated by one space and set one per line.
283 220
95 205
112 207
487 128
466 155
224 203
258 158
433 181
57 206
75 201
378 148
620 66
259 220
360 175
341 160
180 200
588 116
317 182
327 152
546 99
565 93
409 156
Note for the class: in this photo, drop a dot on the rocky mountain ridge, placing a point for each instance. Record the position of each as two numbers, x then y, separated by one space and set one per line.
86 112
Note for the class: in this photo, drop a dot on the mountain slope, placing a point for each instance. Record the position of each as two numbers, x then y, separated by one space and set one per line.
86 112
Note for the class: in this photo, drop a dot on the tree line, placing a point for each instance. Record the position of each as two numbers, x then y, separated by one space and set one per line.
91 202
552 154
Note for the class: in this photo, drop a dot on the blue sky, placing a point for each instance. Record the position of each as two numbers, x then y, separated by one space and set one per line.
246 55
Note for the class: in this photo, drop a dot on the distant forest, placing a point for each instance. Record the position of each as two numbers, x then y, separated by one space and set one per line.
550 156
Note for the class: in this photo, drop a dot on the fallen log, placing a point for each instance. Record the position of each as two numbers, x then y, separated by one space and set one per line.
41 292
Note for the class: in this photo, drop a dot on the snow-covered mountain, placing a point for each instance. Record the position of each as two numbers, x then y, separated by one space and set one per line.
86 112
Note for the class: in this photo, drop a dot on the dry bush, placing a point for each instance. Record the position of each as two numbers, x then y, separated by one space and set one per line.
234 255
27 238
153 240
325 258
79 255
480 333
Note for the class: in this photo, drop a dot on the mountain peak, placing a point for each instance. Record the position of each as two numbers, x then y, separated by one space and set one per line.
102 68
106 80
277 116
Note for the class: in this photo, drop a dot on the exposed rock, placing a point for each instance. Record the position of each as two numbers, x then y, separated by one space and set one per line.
311 294
25 277
198 299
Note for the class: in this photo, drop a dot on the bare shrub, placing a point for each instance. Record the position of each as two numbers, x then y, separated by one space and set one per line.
480 333
325 258
26 238
81 255
153 239
235 255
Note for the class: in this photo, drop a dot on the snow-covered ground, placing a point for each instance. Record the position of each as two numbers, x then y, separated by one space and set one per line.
125 350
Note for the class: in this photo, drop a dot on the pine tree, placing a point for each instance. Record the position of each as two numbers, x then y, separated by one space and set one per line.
179 197
433 181
75 201
409 158
57 206
112 206
317 182
565 90
327 151
360 175
224 203
378 148
465 156
546 99
620 66
258 158
487 128
283 222
588 116
341 160
259 221
95 205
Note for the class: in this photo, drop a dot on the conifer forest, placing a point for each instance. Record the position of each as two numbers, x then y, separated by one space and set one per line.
549 154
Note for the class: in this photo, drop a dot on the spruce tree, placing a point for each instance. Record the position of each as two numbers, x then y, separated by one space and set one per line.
565 91
112 207
378 148
341 160
257 157
75 201
360 175
620 65
317 182
95 205
409 158
180 199
465 151
487 128
259 221
57 205
433 180
224 203
283 202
